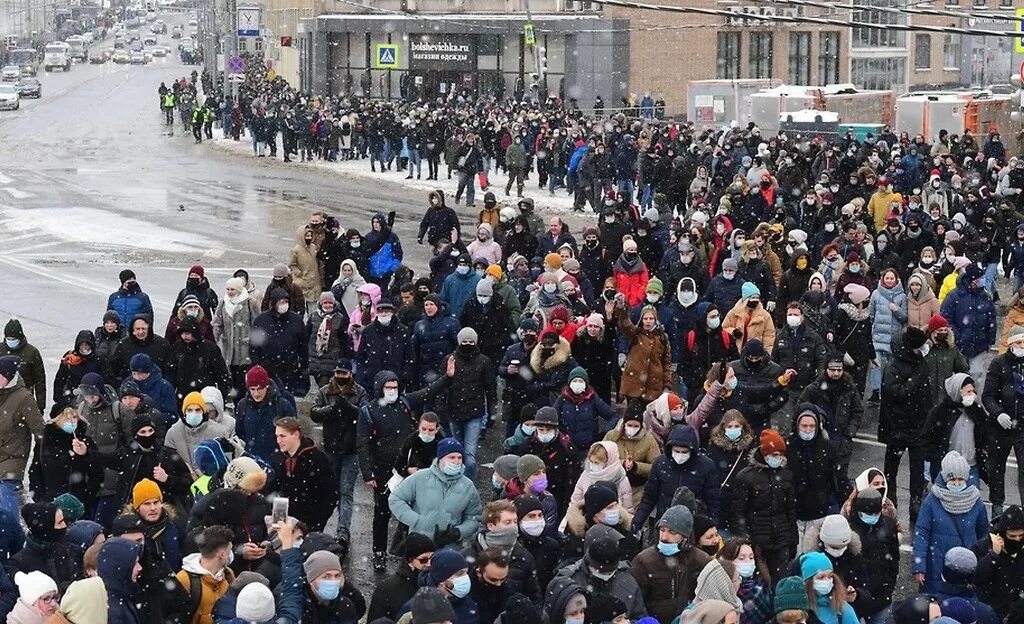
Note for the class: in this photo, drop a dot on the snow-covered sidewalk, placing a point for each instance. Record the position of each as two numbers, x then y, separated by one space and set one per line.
544 202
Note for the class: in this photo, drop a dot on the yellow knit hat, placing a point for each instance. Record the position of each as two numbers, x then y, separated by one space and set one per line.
494 271
553 260
146 490
193 398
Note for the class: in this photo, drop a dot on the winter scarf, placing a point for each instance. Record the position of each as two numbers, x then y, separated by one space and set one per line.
855 313
323 334
956 503
230 303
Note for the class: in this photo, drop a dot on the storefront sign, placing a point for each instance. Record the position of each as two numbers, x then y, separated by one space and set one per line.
447 52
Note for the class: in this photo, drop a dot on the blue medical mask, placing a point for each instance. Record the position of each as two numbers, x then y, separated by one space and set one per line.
496 483
956 489
12 343
869 519
574 620
328 589
69 427
452 470
668 549
462 269
461 586
806 436
746 569
773 462
731 383
427 438
823 587
193 419
612 518
734 433
528 430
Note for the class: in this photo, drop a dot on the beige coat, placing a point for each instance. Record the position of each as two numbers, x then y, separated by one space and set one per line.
304 266
760 325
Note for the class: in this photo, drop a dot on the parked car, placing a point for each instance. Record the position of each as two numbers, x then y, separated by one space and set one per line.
9 98
10 73
30 88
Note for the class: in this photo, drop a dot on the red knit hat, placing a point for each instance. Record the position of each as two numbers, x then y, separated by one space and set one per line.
772 442
257 377
559 313
674 402
937 322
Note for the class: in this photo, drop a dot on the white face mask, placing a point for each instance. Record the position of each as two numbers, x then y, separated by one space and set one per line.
390 395
483 299
577 386
653 297
532 527
680 457
550 288
594 467
969 400
835 552
282 307
632 432
794 320
385 319
1017 351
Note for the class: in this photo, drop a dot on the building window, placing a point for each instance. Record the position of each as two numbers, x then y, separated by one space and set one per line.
922 51
954 2
878 37
728 55
980 4
878 73
951 52
760 55
1006 3
828 58
799 58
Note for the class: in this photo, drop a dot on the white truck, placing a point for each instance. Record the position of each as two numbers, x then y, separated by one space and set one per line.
56 54
77 49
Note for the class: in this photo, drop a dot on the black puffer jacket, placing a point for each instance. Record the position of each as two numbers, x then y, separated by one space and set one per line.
764 505
698 473
803 350
838 403
336 407
880 544
492 323
1000 394
906 394
758 394
814 467
522 571
473 390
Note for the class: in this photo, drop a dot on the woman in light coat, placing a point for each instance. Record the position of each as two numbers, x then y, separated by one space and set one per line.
346 287
232 324
888 313
304 265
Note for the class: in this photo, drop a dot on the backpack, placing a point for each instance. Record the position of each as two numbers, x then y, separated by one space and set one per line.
691 339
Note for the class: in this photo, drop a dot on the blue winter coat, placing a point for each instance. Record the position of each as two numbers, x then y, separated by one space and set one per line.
723 293
885 323
389 249
577 156
937 531
972 317
128 304
162 393
254 422
116 560
578 416
432 339
383 348
698 473
457 290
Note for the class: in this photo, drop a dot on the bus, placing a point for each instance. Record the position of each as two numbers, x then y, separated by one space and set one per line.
27 59
56 55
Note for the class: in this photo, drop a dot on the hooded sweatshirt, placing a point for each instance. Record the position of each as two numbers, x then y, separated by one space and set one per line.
212 586
115 566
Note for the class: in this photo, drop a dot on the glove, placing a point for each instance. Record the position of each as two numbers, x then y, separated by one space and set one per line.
419 240
1004 421
622 360
770 307
447 536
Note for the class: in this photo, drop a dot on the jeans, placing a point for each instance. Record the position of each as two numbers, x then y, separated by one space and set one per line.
10 497
468 433
414 161
647 197
884 359
468 184
626 187
347 467
989 280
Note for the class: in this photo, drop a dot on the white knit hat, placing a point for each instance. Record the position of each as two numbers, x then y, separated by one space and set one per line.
33 585
255 603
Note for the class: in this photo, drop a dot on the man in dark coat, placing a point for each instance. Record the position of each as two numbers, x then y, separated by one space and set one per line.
488 315
906 396
433 337
30 363
258 410
384 346
438 221
681 464
196 362
799 347
1004 403
304 474
140 339
278 343
501 535
835 396
810 458
45 549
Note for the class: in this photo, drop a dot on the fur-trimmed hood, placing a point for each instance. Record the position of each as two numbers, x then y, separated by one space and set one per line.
563 351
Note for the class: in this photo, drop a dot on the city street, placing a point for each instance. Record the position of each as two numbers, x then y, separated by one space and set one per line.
91 183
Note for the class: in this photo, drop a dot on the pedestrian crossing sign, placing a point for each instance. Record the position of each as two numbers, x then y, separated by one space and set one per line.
387 56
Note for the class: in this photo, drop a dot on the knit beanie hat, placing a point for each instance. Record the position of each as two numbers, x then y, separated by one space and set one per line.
141 363
485 288
595 319
813 562
654 285
772 442
553 260
448 446
546 415
529 465
1016 335
193 399
604 607
678 519
505 466
443 565
429 606
868 501
146 490
936 322
954 466
835 531
856 293
33 586
126 275
791 594
320 563
579 373
959 566
525 503
960 610
257 377
749 289
246 577
467 334
235 282
415 545
598 496
255 603
72 507
701 524
243 473
128 388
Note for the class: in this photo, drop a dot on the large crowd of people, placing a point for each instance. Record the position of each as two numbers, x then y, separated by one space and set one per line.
679 389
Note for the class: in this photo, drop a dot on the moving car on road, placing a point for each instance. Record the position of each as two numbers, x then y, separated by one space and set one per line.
29 88
10 73
9 98
56 55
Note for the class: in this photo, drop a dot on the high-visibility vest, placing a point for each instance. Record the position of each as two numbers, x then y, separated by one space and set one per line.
201 486
169 100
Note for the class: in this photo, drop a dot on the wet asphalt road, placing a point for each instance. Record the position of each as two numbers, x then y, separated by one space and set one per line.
91 183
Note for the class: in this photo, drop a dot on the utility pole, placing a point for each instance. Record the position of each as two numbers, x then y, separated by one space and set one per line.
536 75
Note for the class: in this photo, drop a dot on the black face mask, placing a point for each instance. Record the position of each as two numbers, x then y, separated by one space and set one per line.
752 304
547 351
192 282
529 340
753 363
1012 547
145 442
467 350
710 550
